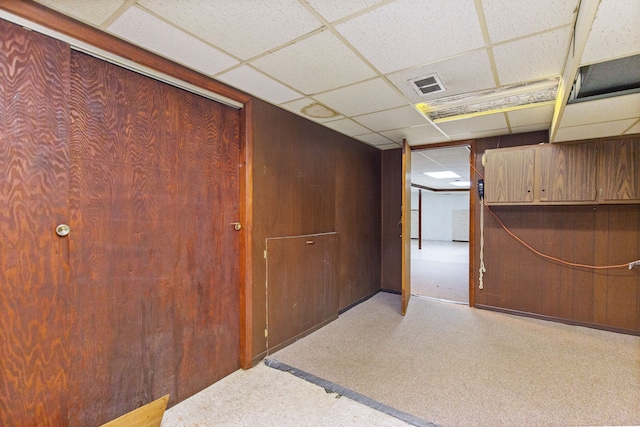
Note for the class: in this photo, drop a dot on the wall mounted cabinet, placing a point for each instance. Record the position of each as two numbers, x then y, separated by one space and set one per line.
619 172
594 172
509 175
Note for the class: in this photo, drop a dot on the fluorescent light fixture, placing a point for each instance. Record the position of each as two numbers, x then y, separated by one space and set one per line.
491 101
442 175
461 183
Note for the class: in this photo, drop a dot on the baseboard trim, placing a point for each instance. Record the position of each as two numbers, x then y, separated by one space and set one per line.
360 301
558 320
300 335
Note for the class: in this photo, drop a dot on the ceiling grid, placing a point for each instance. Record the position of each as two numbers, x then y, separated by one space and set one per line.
348 65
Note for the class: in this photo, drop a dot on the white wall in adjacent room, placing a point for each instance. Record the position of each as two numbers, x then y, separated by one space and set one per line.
438 215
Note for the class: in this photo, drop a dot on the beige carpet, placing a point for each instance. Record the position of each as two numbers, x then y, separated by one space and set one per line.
440 270
456 366
264 396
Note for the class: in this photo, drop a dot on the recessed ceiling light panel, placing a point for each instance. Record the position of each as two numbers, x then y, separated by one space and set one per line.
442 175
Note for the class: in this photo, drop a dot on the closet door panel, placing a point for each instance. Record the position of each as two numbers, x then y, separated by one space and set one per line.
155 259
34 194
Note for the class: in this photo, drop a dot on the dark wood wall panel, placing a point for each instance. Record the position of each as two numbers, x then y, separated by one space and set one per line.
154 259
521 281
302 291
309 179
34 195
391 258
358 219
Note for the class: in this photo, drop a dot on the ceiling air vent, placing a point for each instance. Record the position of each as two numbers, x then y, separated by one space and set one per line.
427 85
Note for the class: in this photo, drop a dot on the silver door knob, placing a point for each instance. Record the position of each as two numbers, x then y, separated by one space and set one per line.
62 230
236 226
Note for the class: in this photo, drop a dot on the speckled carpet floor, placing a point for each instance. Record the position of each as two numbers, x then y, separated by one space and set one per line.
452 365
440 270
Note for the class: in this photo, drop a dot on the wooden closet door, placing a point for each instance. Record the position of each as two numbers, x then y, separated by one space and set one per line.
154 257
34 195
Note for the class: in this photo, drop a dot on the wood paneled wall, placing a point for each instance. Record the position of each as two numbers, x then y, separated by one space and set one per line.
309 179
391 252
518 280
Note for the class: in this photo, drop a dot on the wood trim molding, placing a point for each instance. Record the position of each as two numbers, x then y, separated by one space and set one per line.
442 145
438 190
246 218
557 319
63 24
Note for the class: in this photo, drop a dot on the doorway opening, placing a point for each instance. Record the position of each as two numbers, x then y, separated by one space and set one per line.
440 212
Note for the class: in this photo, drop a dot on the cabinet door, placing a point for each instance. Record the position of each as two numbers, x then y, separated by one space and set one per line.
619 177
302 291
568 173
509 175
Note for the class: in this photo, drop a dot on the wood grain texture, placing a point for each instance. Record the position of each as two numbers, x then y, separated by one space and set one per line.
49 18
509 176
391 257
568 172
302 290
406 225
358 219
154 259
309 179
34 194
619 179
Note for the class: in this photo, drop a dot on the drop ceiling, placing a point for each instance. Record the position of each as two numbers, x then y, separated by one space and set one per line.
349 64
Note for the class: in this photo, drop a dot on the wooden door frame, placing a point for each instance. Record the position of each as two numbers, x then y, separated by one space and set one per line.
64 25
473 194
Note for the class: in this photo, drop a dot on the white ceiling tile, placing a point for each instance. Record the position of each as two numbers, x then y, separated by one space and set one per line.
532 58
316 64
374 139
634 129
482 134
406 33
149 32
348 127
530 128
362 98
531 116
332 10
601 110
474 124
254 82
416 135
510 19
241 28
392 119
466 73
595 130
615 32
299 107
92 12
388 147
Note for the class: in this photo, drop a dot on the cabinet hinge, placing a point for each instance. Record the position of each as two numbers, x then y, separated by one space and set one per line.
265 254
266 333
